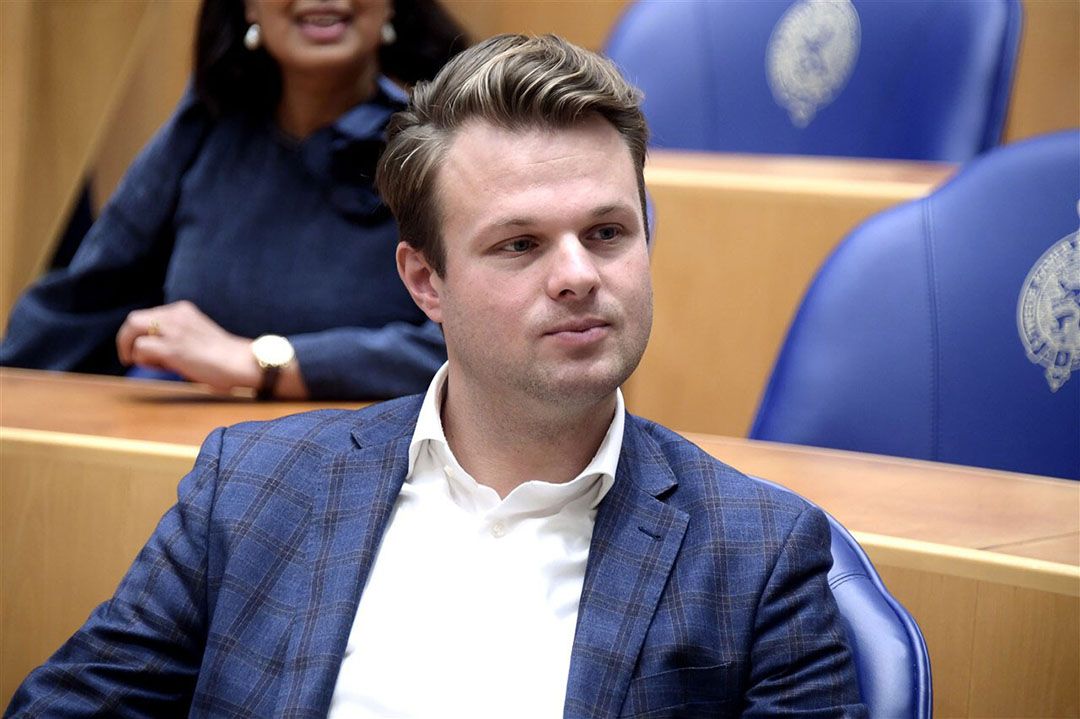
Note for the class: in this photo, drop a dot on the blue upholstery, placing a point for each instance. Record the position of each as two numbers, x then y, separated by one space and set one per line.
930 78
909 341
142 372
891 659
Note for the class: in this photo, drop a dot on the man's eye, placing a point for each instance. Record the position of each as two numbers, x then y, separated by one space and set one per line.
606 233
520 245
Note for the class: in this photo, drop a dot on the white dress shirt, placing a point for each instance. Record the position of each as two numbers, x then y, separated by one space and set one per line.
472 602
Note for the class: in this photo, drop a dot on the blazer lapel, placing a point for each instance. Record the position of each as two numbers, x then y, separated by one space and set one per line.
353 500
635 541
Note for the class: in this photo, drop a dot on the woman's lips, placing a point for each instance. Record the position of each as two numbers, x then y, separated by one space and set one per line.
323 28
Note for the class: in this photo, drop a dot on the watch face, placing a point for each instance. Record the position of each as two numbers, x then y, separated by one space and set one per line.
272 351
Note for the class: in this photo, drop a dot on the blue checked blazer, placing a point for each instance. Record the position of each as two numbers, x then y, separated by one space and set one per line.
705 593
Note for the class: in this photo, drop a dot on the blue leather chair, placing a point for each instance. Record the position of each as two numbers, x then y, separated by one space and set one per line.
914 79
891 659
141 372
947 328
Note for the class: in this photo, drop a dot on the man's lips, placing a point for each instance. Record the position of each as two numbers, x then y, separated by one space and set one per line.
578 326
578 333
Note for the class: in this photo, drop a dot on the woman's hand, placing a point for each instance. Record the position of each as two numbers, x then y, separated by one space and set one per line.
180 338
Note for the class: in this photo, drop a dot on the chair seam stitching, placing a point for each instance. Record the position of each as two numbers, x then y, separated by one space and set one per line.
935 339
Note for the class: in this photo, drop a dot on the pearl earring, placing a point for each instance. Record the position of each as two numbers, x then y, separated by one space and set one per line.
389 34
253 37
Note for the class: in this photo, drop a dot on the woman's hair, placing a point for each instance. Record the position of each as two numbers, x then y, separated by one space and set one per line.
230 78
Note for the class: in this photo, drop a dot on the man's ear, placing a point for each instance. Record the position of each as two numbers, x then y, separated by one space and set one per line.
422 282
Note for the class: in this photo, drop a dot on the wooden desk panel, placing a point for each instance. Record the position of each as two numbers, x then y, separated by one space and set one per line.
147 410
76 507
738 239
968 507
73 515
1064 549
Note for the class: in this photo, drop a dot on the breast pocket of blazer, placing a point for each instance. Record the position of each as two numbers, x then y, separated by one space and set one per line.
685 693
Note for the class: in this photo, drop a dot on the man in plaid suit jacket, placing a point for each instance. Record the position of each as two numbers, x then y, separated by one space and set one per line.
516 178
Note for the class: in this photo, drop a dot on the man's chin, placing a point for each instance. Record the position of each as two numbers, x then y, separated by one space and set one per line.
582 382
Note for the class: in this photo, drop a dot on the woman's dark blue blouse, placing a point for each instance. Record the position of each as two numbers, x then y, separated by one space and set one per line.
265 234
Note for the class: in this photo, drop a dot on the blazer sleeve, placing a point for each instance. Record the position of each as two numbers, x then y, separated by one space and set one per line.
370 363
68 320
138 655
802 664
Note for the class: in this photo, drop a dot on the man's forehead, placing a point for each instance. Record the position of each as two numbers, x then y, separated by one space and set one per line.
479 137
488 162
492 154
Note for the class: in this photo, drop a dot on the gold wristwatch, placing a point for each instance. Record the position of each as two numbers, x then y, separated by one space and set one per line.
272 353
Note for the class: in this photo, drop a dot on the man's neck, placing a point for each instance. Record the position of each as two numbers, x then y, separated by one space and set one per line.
503 444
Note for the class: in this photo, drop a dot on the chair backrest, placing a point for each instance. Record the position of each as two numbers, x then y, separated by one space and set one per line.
908 79
947 328
891 659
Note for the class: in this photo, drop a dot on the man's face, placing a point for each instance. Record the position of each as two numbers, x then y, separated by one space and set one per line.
547 293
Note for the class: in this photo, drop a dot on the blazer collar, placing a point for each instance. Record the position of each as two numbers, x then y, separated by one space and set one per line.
352 500
643 461
635 541
388 421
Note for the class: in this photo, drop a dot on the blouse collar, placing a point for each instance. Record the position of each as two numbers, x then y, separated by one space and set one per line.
343 155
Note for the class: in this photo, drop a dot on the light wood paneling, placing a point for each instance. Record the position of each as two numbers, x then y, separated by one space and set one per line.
996 649
74 516
16 21
583 22
1003 632
945 610
1063 548
1023 634
944 504
738 240
150 95
75 59
1046 91
118 408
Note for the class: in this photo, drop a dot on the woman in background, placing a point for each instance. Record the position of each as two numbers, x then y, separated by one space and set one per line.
246 246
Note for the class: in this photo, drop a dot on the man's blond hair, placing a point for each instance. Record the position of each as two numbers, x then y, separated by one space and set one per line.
511 81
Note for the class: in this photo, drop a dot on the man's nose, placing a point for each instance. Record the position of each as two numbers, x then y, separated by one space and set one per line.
573 272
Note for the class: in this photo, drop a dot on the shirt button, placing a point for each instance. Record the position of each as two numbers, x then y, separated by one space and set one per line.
498 530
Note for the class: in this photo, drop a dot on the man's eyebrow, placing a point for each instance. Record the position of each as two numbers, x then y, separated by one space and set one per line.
529 221
608 209
514 222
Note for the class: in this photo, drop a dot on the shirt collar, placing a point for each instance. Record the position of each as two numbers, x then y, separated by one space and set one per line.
429 422
429 429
